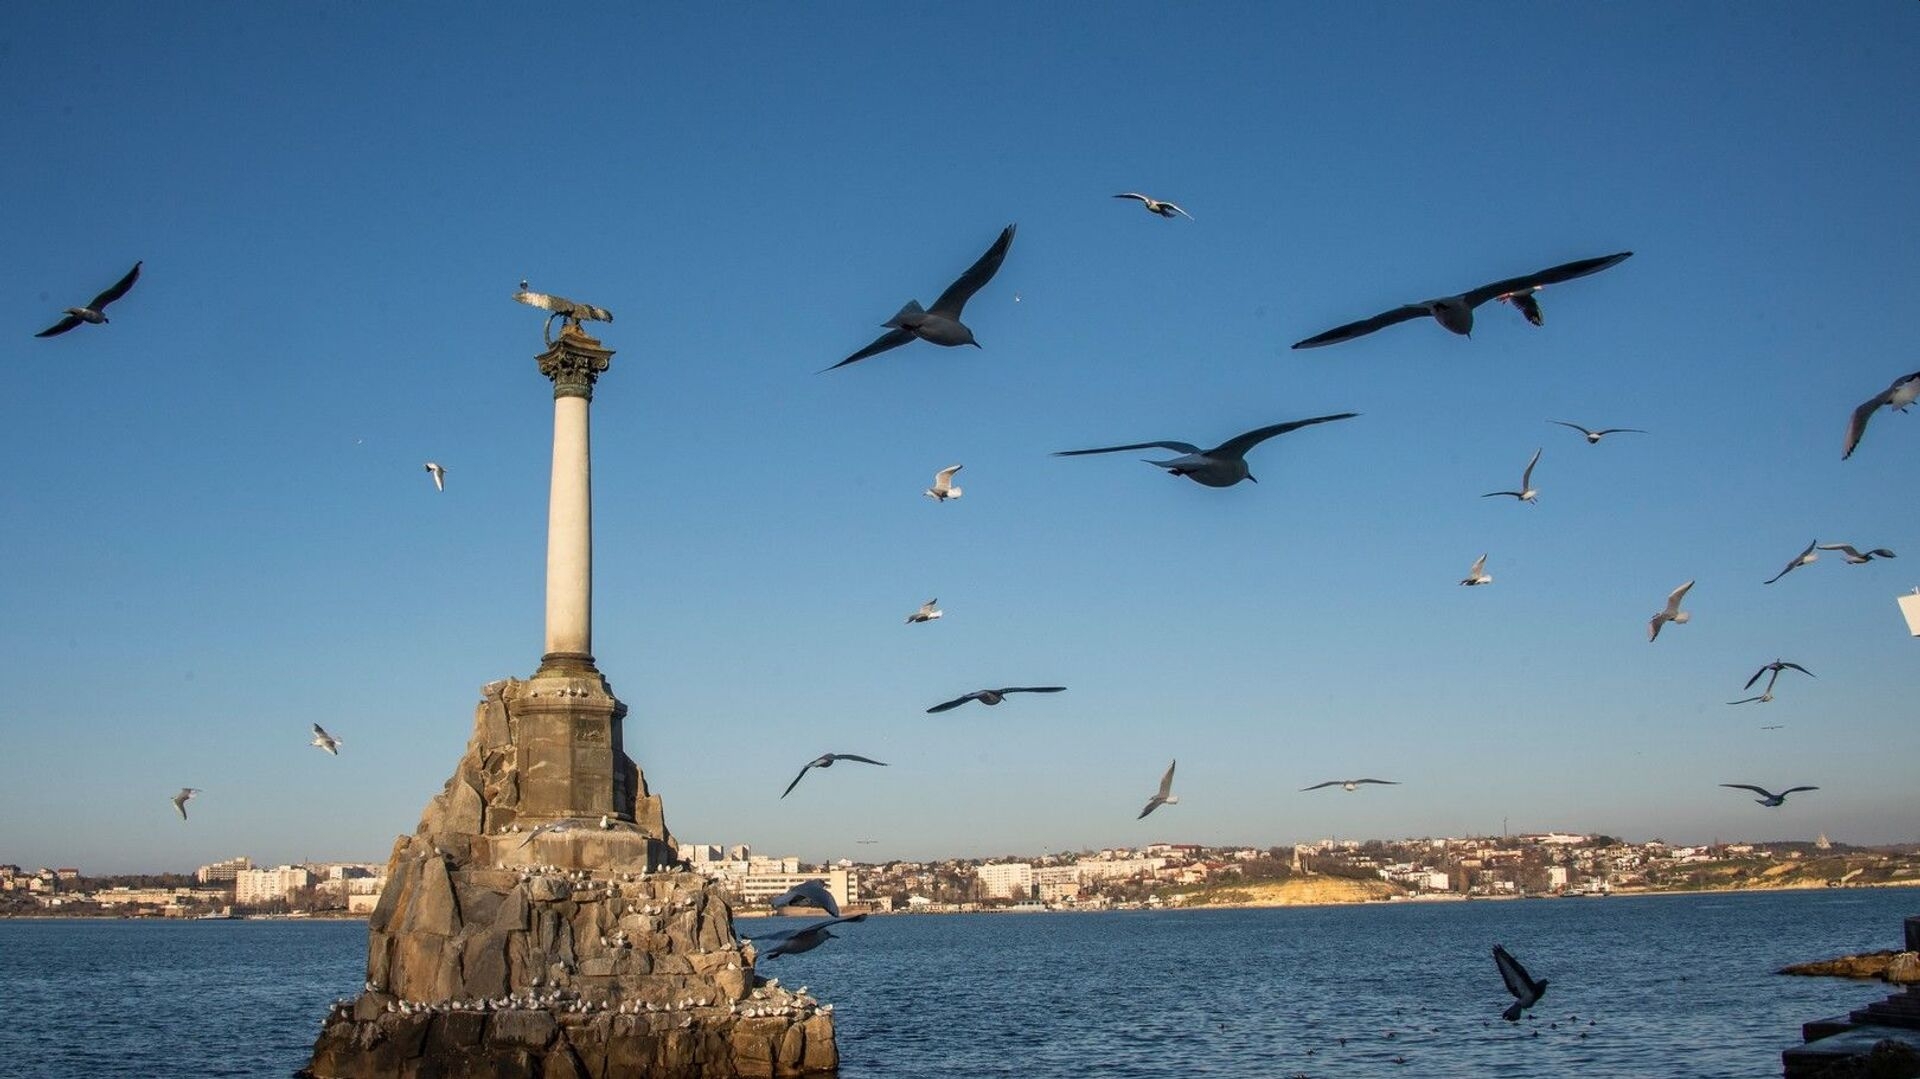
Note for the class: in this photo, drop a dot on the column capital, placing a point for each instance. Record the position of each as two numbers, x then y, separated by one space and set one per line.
574 362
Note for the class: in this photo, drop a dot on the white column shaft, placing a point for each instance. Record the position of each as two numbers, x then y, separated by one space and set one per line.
570 532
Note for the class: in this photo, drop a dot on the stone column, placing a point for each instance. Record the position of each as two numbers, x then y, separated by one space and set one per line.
573 363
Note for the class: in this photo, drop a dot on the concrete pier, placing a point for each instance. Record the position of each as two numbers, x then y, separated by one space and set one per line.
1881 1039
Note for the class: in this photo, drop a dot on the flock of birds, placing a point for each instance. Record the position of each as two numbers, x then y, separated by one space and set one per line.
1223 465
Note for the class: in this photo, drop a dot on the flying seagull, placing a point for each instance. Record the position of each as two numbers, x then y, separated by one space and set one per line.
438 473
1854 557
943 487
811 893
95 312
1805 558
1767 694
992 696
1165 797
561 308
941 323
804 939
180 800
1222 466
1478 574
1456 312
1156 206
1897 396
927 612
1768 798
1350 784
1526 992
1526 493
1670 613
324 740
1594 437
825 760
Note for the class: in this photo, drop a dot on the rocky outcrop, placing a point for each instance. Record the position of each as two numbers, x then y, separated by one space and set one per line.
1899 968
516 941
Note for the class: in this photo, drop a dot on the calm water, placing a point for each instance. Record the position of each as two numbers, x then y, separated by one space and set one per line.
1672 986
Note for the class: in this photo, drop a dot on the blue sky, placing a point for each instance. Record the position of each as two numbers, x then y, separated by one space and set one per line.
216 529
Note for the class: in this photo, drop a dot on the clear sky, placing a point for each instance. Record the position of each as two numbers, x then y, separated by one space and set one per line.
215 529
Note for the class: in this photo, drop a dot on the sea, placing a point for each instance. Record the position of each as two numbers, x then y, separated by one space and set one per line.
1640 986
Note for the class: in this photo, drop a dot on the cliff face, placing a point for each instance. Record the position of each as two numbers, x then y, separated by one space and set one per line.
511 941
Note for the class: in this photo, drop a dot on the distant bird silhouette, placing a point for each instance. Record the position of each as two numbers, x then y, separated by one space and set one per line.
1478 574
1593 437
1156 206
1526 493
941 323
1768 798
1350 784
1804 558
927 612
1165 797
825 760
992 696
943 488
95 312
324 740
1526 991
180 800
1222 466
1776 667
811 893
1671 613
1897 396
1854 557
1456 312
438 473
804 939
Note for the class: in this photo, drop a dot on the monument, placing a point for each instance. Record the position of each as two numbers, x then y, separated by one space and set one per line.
538 923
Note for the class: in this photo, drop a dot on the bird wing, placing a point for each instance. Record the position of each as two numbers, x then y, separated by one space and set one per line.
1478 565
1238 445
1317 786
1382 782
1744 700
1365 326
1551 276
1791 566
1750 787
945 475
1030 689
1791 790
1526 478
1857 426
1620 431
1575 426
1177 447
889 340
60 327
981 272
1134 195
1844 548
1519 983
1166 781
1795 666
856 757
118 290
1674 597
1756 676
954 703
797 779
1178 210
322 732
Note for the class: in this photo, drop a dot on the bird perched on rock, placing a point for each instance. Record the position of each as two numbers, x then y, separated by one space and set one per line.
943 488
180 800
1526 991
1456 312
812 893
438 473
562 308
1526 493
1156 206
1898 396
927 613
1222 466
1165 796
1670 613
1768 798
1805 558
804 939
1478 574
1350 784
1594 437
1854 557
95 312
825 760
325 741
993 696
941 323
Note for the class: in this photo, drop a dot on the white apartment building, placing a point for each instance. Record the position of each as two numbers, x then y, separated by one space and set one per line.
222 872
254 886
1006 880
757 888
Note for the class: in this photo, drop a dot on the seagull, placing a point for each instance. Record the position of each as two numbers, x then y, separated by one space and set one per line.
1897 396
812 893
324 740
804 939
941 323
95 312
1773 727
1670 613
180 800
1166 797
1156 206
1768 798
565 825
1525 990
1854 557
438 473
1222 466
1478 574
992 696
1767 693
1594 437
561 307
1804 558
926 613
1350 784
825 760
1456 312
1526 493
943 487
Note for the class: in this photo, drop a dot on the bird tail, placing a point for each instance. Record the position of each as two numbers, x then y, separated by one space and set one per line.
1512 1015
909 316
